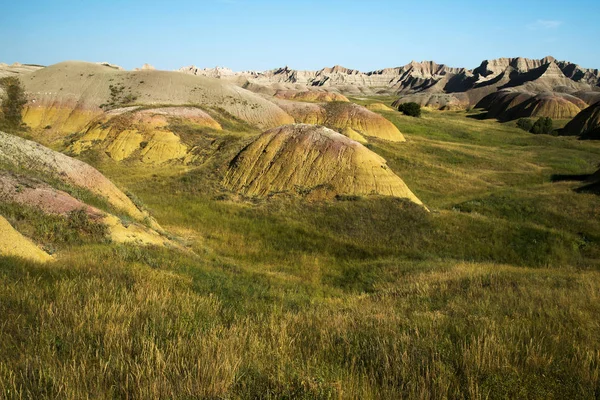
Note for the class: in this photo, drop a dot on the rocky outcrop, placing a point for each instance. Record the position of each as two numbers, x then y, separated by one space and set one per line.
427 82
145 67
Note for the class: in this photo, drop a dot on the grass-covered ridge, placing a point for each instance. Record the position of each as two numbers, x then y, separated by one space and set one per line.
493 294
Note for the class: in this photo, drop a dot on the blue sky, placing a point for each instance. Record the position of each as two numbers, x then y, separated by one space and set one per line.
265 34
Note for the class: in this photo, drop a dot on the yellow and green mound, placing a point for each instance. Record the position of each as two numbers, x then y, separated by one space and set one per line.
304 158
34 194
12 243
556 106
144 135
378 107
344 117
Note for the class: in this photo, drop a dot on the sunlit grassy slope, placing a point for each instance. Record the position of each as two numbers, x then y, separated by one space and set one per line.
493 294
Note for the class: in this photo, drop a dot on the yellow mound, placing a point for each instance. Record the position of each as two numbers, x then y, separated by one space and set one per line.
352 134
59 117
435 101
143 134
363 121
378 107
133 233
342 116
557 106
123 146
163 146
12 243
310 96
302 158
68 95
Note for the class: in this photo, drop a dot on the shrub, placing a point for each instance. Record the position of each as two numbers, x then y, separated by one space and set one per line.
543 125
411 109
525 123
13 101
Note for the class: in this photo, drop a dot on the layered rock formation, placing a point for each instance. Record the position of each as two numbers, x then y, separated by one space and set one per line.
428 83
315 96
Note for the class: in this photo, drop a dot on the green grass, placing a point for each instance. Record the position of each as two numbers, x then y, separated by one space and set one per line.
493 294
54 232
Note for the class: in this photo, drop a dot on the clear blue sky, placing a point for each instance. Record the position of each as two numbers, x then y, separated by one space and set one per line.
304 34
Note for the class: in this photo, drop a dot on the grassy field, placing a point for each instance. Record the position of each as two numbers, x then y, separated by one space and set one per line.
493 294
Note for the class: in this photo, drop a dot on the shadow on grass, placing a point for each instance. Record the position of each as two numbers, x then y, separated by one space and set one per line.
569 177
591 188
480 117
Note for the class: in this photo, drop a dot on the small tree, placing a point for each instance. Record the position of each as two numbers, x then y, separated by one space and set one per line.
543 125
13 101
411 109
525 123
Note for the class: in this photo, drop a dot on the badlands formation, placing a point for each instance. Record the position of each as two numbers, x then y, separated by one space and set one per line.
312 140
510 104
438 86
143 134
95 102
305 158
155 118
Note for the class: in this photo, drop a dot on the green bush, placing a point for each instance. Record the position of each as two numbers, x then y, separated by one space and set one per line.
525 123
13 101
543 125
411 109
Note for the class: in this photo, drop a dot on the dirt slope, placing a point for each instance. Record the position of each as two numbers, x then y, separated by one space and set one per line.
38 195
